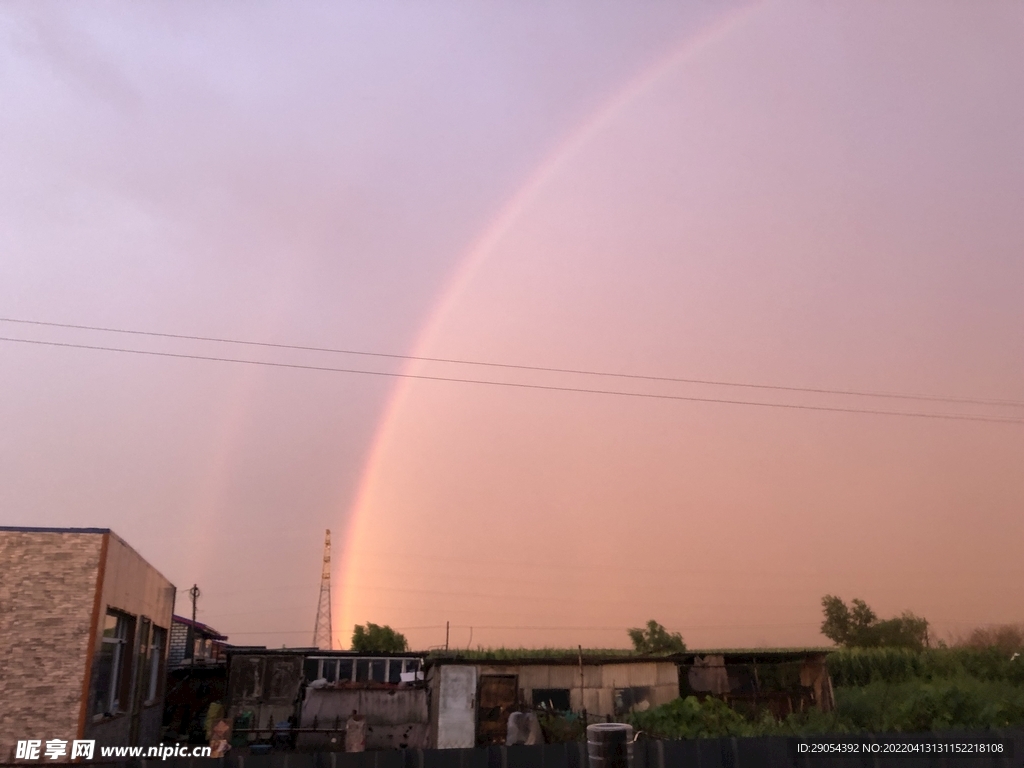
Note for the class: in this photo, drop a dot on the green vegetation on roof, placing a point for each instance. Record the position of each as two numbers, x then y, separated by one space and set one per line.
766 651
506 654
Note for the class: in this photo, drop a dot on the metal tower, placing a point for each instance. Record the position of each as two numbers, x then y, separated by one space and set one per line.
323 634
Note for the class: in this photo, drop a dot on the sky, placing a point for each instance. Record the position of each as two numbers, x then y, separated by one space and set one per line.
788 195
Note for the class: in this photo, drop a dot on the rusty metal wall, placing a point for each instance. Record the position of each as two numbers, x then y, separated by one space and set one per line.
395 719
603 684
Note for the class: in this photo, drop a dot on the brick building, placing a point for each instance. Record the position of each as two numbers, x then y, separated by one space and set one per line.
84 623
195 641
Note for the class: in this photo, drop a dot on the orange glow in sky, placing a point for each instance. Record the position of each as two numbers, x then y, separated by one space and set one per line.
818 197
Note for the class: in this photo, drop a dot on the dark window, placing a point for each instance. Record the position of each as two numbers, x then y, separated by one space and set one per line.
625 700
345 669
113 664
330 670
556 699
362 670
395 671
377 670
311 670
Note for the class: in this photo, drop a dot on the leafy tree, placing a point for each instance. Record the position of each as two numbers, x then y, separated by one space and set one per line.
656 639
861 627
374 638
905 631
843 626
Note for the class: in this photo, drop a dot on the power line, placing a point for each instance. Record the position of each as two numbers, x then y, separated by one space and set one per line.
520 385
684 627
556 629
513 366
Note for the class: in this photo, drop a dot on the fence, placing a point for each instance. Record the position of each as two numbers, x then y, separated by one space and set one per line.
765 752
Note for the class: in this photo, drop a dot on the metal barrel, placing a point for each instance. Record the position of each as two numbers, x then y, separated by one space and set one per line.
610 745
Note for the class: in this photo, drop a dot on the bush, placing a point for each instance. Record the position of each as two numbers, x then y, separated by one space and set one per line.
862 666
1008 638
691 718
943 704
912 704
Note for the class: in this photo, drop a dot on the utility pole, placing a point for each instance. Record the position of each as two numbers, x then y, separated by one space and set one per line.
323 632
446 628
193 595
583 698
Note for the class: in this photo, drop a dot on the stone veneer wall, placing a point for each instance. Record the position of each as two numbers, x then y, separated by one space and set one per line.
47 590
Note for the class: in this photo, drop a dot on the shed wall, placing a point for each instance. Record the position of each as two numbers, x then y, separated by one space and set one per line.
395 719
659 679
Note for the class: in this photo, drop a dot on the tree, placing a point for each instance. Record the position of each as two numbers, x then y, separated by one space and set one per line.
905 631
656 639
1008 638
374 638
861 628
843 626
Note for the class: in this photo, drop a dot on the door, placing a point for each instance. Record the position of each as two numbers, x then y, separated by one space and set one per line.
497 700
456 712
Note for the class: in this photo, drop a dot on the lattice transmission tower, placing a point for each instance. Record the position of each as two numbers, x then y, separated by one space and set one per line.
323 633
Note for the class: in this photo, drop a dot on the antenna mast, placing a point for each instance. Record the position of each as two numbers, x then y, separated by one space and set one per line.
323 634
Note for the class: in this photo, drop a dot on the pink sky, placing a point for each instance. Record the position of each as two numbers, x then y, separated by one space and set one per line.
788 194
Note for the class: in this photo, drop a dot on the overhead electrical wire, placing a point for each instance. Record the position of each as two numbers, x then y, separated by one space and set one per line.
520 367
521 385
552 629
685 627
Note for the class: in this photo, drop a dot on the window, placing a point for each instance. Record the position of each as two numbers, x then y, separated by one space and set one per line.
156 662
330 670
556 699
636 699
202 648
377 670
362 670
311 670
113 663
345 669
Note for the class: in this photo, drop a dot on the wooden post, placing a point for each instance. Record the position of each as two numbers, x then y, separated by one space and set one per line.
583 702
194 594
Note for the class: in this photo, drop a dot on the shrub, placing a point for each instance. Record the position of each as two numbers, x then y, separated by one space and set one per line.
861 666
943 704
691 718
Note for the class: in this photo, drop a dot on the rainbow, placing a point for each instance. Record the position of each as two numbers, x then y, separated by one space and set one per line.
478 252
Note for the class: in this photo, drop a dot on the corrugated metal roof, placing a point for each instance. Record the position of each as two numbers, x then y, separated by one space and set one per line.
549 660
205 628
736 656
262 651
40 529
